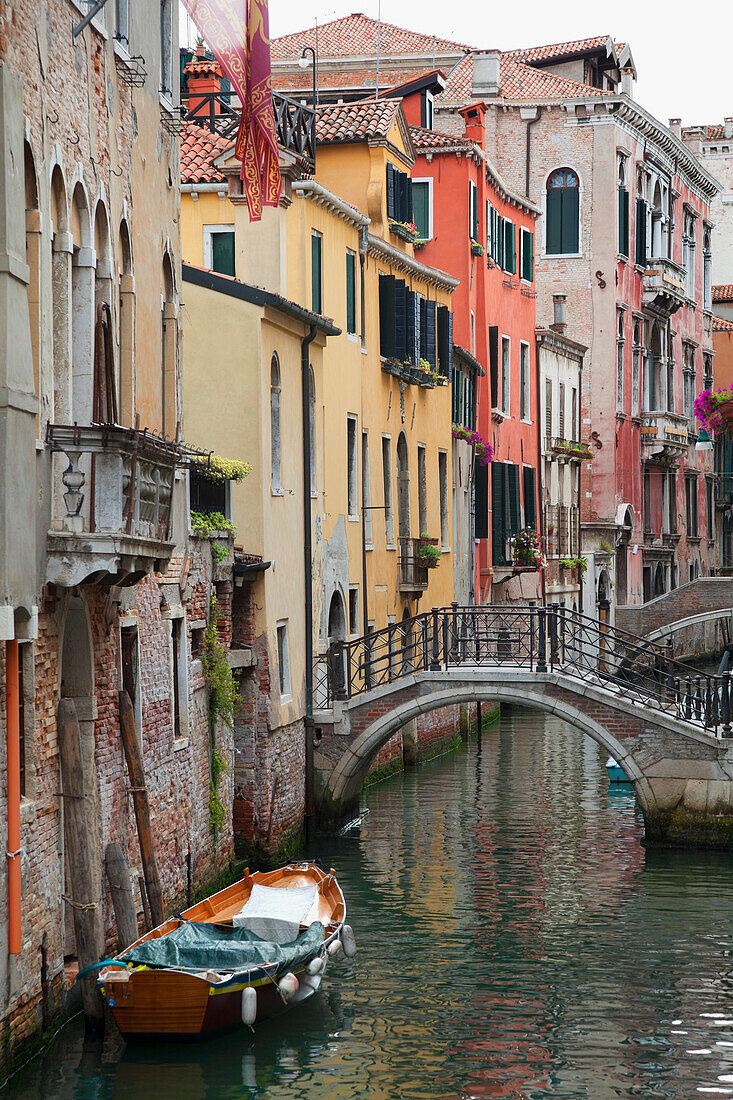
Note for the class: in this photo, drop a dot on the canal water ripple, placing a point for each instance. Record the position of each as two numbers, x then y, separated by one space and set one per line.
515 941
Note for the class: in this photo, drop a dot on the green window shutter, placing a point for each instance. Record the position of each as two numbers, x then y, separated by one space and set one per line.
430 334
527 255
457 396
528 486
510 248
421 208
391 191
386 316
316 289
553 231
222 253
570 211
623 221
481 505
494 365
472 211
514 513
641 232
498 556
350 292
400 304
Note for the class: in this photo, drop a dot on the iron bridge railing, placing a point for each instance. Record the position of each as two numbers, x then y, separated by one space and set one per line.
539 639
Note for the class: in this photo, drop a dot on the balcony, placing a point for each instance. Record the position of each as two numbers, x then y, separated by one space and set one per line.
664 286
111 505
663 436
295 123
570 449
413 567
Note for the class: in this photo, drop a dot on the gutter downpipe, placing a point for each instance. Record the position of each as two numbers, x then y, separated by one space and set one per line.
12 689
530 124
308 564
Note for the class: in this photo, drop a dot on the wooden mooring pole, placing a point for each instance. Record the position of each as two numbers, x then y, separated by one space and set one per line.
118 876
78 840
139 792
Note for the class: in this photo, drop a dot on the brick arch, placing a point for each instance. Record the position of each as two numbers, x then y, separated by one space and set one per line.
351 769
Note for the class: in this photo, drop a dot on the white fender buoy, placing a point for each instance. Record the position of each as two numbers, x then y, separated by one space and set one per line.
288 986
249 1005
315 966
349 941
334 947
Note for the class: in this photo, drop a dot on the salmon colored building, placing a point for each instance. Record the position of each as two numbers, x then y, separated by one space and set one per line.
474 226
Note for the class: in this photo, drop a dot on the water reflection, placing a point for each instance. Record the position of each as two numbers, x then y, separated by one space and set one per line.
515 940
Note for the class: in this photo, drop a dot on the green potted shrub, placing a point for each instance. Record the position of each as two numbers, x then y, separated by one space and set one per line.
428 555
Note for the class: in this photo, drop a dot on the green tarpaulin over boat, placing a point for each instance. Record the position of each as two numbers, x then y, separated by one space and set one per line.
194 946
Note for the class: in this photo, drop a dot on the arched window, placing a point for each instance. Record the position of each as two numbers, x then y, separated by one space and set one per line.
623 208
275 439
61 250
126 327
82 309
562 237
104 409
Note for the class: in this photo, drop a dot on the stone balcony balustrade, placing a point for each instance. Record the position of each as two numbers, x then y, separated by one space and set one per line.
664 286
664 436
112 504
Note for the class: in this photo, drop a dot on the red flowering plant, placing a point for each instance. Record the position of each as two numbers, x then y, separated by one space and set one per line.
484 450
527 549
706 408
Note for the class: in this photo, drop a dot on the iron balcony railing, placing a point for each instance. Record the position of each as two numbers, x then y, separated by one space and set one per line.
539 639
220 114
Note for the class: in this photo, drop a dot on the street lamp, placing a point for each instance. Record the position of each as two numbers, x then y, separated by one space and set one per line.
303 62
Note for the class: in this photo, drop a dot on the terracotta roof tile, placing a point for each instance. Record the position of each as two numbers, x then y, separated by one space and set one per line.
709 133
518 81
561 49
199 150
721 325
723 292
357 34
356 121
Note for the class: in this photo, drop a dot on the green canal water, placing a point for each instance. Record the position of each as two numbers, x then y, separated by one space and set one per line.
515 940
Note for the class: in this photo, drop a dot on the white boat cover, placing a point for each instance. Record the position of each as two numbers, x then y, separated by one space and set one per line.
276 913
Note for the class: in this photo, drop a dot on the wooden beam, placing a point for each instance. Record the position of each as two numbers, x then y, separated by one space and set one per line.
120 887
139 791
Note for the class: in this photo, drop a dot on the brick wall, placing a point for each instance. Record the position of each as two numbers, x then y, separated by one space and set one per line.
704 594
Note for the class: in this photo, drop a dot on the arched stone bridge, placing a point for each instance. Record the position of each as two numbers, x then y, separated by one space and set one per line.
665 723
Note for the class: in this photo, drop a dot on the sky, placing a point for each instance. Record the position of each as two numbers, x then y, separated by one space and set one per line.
695 86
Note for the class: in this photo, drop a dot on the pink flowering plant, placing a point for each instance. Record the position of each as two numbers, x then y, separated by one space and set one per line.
707 405
527 549
484 450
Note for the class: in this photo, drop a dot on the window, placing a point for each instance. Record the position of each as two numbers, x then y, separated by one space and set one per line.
275 454
620 361
635 369
561 410
524 381
219 248
130 668
505 375
548 408
354 610
647 500
422 488
387 483
353 505
497 237
399 195
689 385
316 273
426 109
473 333
688 252
179 680
574 414
707 268
422 208
563 213
351 293
428 333
623 208
366 490
26 718
472 211
691 504
530 495
710 509
444 340
206 495
166 47
457 396
443 490
510 247
505 509
707 367
527 255
283 659
122 21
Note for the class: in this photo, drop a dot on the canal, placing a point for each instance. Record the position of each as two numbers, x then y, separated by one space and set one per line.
515 940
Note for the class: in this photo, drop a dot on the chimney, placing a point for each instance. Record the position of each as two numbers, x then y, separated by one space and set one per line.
693 139
675 125
204 77
473 118
486 79
627 82
560 313
728 128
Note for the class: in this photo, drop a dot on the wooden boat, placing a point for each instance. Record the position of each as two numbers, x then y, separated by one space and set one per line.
616 773
194 995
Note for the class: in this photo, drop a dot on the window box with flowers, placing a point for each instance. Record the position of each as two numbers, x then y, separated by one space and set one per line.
483 450
527 550
476 248
714 409
406 231
428 555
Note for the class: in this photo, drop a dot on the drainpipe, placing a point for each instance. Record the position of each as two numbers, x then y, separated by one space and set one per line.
308 563
12 689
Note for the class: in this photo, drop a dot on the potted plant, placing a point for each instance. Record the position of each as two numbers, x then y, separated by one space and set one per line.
428 556
476 248
527 550
425 540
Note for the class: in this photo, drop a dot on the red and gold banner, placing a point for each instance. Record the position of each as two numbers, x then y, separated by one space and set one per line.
240 41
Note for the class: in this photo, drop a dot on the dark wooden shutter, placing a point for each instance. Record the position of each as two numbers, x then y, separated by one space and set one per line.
409 217
391 192
513 510
222 253
443 339
423 110
316 295
498 555
413 327
570 212
457 397
481 503
641 232
623 221
527 255
400 313
554 221
448 366
423 328
510 250
350 292
528 488
494 364
386 315
430 335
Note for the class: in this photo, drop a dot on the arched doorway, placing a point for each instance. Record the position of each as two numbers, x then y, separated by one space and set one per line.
622 557
77 683
659 585
336 633
603 603
408 642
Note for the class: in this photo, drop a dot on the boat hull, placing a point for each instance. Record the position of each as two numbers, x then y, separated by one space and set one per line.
161 1004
